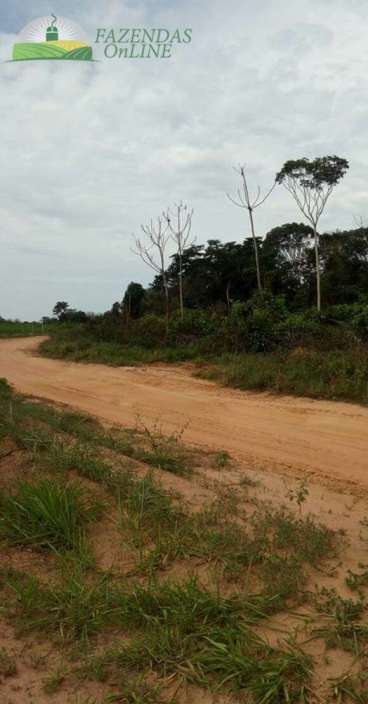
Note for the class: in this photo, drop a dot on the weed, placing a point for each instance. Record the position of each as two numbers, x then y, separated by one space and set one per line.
343 627
243 660
356 581
299 495
221 459
47 514
75 610
164 451
137 692
54 681
351 688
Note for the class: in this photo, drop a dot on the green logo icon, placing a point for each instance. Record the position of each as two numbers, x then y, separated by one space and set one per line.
52 38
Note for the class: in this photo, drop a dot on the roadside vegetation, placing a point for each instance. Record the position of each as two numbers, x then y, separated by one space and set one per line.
141 595
257 345
286 312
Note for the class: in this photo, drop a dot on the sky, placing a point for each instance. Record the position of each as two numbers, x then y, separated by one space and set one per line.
92 150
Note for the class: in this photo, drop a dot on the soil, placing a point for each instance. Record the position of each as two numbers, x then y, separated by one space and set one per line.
292 435
274 442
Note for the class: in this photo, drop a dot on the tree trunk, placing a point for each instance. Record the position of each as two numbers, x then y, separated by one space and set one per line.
318 271
259 283
167 310
228 295
181 287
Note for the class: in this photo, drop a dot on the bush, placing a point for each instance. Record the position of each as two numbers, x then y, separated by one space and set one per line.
149 332
195 325
251 327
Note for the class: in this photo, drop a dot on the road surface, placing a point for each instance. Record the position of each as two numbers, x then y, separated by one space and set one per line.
274 432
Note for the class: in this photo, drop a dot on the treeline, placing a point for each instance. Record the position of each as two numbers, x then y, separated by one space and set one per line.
218 274
225 312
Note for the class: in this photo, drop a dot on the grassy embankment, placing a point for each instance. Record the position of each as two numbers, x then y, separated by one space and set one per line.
339 374
121 590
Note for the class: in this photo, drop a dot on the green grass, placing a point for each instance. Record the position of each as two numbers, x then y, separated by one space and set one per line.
79 347
241 659
343 625
340 374
76 609
152 447
14 329
131 627
138 691
351 688
47 514
333 375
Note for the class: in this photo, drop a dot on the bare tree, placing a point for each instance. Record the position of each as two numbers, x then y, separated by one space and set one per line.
245 201
311 183
153 253
179 223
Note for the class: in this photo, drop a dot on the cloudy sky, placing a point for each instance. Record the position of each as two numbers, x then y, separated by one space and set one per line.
91 150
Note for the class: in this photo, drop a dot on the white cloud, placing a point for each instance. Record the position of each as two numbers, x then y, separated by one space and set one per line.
92 150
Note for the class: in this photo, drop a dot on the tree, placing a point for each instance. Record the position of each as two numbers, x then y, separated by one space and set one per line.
289 244
60 309
311 183
245 201
133 300
115 310
153 253
180 226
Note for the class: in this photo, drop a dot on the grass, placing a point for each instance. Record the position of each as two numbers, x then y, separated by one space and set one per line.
343 626
351 688
243 660
138 692
10 328
340 375
76 609
134 628
79 347
47 514
150 446
232 655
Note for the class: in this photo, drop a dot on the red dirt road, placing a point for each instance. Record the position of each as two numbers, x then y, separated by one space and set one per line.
320 437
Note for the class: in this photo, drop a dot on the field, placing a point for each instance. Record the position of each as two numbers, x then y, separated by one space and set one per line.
137 569
51 50
18 329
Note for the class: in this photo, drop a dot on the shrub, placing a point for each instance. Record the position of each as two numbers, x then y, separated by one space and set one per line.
149 332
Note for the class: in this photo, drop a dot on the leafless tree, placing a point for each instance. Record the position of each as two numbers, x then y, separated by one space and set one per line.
152 251
360 222
179 222
244 200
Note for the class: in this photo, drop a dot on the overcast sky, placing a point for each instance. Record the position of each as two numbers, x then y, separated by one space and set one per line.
91 150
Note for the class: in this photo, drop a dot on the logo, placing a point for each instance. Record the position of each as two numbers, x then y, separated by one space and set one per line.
141 43
54 38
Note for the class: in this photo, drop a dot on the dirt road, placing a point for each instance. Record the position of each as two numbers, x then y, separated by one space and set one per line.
321 437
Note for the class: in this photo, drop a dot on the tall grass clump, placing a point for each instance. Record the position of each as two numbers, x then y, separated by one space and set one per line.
46 515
